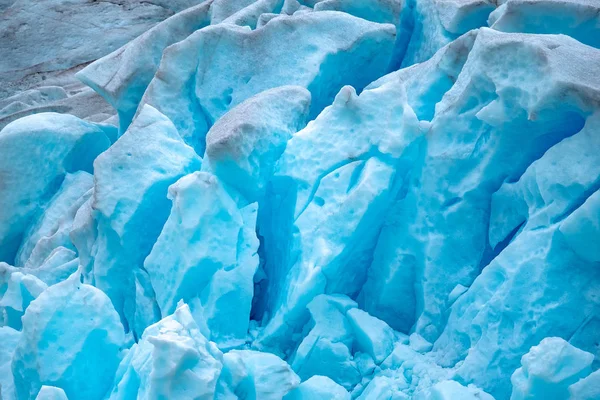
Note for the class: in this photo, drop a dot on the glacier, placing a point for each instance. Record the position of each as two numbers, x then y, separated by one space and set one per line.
300 200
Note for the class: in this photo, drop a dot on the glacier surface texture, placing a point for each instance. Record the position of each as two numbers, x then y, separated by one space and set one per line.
300 199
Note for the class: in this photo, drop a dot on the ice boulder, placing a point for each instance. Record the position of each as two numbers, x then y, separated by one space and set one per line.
341 342
587 388
327 348
381 11
576 18
443 216
222 9
250 16
17 290
419 343
72 339
83 234
405 373
218 67
130 206
329 196
392 285
385 387
542 210
249 374
61 263
59 144
172 360
452 390
318 388
51 393
206 256
372 335
9 338
549 369
52 228
581 229
30 98
243 146
432 24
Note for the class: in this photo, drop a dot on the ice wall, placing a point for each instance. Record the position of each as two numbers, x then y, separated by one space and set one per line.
337 199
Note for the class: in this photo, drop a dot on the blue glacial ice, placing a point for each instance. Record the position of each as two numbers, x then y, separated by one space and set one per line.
300 200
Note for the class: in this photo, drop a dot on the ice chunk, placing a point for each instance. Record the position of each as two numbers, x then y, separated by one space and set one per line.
221 9
51 230
390 292
456 293
330 192
123 76
318 388
263 19
551 188
218 67
250 15
458 17
327 349
576 18
408 372
452 390
9 338
549 369
206 255
444 215
373 336
83 234
71 339
130 205
385 387
382 11
587 388
61 144
58 266
418 343
555 194
582 229
17 290
252 374
172 360
510 294
243 146
435 23
51 393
